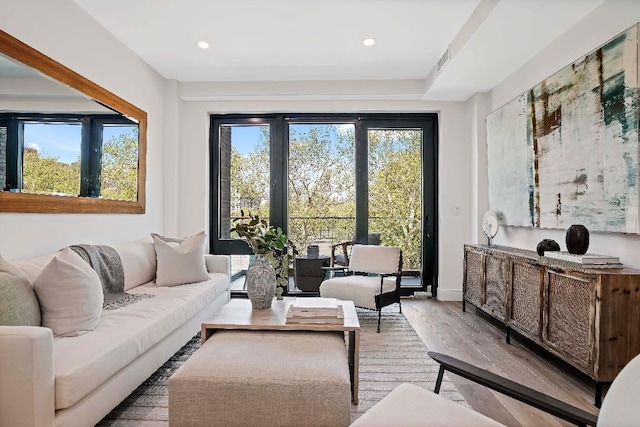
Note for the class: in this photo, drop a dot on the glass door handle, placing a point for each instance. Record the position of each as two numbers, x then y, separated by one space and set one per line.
427 232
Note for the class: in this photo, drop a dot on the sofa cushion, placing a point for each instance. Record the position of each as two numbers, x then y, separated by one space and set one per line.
70 295
138 261
18 303
362 290
180 263
32 267
83 363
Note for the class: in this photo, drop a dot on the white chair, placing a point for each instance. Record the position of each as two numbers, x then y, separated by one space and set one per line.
366 291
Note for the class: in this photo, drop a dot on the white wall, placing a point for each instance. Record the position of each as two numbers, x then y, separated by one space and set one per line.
611 18
171 158
477 108
454 159
66 33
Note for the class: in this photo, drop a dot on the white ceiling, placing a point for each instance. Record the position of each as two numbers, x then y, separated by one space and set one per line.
300 40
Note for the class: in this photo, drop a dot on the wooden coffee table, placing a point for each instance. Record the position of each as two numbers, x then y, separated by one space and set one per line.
239 315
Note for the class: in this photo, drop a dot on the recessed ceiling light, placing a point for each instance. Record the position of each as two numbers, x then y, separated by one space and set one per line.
369 42
203 45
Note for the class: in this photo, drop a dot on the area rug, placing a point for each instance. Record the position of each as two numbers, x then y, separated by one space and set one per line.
394 356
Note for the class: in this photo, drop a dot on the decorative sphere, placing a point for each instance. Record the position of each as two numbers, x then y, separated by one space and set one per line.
547 245
577 239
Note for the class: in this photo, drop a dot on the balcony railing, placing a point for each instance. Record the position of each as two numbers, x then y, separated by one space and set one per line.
325 231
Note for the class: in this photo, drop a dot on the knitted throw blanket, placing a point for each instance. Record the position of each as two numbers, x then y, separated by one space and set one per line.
106 262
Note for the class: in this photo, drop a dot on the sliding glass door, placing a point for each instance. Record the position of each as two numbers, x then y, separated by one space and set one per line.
240 182
327 179
396 200
321 185
396 196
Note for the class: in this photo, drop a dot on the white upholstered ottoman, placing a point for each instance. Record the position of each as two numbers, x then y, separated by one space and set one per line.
263 378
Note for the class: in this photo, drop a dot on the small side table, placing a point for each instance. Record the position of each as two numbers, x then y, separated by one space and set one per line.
336 269
309 273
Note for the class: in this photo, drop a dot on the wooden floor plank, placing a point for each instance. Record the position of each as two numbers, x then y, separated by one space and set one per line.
472 337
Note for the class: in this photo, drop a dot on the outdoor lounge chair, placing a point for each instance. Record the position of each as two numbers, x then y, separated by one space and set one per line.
372 280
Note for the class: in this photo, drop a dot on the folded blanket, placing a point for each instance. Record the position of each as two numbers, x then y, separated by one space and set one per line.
106 262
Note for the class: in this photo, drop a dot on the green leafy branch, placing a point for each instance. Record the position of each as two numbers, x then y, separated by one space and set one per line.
262 237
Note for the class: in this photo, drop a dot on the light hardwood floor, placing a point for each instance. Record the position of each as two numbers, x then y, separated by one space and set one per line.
474 338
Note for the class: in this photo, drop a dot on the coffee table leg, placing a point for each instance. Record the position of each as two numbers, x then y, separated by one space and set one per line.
205 333
354 363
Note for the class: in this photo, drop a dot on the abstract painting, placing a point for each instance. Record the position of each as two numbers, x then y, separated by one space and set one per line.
566 151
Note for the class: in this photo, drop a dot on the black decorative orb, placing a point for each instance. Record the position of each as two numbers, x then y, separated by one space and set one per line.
547 245
577 239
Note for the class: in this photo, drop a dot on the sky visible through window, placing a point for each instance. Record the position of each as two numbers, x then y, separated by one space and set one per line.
246 137
62 140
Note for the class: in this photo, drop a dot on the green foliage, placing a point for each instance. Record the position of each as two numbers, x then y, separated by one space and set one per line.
279 260
262 237
321 184
395 191
45 174
119 174
321 181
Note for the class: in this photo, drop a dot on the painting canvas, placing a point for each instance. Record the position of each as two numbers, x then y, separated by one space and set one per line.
566 151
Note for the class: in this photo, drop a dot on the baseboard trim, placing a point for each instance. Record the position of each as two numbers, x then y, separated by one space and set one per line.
449 294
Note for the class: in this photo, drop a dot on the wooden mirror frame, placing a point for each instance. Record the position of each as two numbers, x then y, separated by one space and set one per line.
43 203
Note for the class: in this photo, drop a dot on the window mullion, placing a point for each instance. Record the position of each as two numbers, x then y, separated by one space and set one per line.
14 149
278 173
91 157
362 182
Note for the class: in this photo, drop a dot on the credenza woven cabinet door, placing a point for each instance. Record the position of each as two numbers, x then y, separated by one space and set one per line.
569 316
473 282
526 281
495 284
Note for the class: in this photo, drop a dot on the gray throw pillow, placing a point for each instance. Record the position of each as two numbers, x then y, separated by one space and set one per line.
18 303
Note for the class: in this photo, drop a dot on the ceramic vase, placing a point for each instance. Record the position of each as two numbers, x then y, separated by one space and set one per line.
261 282
577 239
547 245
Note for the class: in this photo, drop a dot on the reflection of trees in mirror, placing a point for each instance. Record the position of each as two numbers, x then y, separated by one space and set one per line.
44 173
79 149
119 175
321 199
82 102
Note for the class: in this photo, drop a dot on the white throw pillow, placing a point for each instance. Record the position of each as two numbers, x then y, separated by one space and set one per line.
70 295
180 263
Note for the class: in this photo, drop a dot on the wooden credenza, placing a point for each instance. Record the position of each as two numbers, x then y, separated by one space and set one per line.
590 318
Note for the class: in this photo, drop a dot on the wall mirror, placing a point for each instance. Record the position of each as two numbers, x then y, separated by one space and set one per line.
67 145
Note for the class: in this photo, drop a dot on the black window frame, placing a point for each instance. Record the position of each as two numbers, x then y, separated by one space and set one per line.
279 150
90 145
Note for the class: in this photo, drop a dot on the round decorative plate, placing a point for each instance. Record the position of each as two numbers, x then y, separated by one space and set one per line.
490 224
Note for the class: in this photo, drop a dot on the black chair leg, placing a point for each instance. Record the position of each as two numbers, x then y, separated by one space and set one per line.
436 390
379 317
400 304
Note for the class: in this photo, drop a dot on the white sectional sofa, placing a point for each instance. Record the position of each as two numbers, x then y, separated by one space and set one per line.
76 381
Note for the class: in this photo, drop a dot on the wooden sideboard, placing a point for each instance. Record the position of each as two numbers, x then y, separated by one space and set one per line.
589 318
